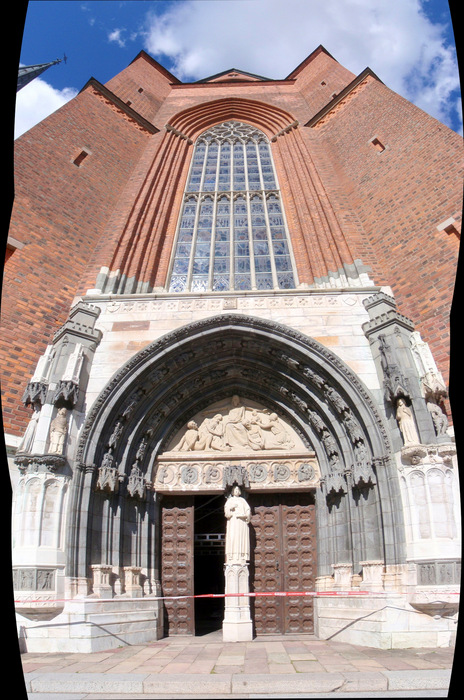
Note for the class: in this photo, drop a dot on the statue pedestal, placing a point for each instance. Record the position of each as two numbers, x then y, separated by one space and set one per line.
237 625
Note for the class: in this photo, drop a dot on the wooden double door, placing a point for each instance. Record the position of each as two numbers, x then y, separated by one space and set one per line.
283 559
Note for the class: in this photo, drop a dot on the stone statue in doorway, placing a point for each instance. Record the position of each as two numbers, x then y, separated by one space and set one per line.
238 514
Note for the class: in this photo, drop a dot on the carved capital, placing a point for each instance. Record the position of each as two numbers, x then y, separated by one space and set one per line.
39 463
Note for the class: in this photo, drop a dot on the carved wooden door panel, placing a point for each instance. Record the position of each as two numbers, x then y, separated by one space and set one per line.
177 563
265 569
298 517
283 534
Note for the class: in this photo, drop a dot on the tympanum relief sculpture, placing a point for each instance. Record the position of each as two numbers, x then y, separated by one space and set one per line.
236 427
236 433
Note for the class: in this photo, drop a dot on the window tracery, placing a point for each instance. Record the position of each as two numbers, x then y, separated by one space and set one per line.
232 233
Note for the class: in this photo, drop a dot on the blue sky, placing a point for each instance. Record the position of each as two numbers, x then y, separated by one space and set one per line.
409 44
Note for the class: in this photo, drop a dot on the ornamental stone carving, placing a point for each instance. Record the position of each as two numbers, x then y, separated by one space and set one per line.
234 426
258 473
108 475
209 474
136 484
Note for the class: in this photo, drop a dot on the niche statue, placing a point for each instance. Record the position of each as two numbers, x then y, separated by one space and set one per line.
238 514
58 429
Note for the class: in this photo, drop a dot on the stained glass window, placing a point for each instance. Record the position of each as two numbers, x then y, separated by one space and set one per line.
232 233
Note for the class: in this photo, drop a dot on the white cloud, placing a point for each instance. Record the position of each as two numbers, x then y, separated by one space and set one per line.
115 35
271 37
36 101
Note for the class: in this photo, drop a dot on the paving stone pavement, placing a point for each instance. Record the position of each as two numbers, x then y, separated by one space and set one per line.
176 667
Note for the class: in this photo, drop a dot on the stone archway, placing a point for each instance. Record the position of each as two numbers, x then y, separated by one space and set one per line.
115 504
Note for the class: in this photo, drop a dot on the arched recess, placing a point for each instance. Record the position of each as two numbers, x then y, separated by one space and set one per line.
191 122
160 388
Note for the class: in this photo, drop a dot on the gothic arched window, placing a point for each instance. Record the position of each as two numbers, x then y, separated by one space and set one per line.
232 233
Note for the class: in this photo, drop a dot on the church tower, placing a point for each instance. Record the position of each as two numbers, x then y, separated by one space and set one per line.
233 282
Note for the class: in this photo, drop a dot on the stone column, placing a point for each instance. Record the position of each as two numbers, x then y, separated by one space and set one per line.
237 625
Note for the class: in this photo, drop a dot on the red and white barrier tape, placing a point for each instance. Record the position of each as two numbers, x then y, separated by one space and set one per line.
279 594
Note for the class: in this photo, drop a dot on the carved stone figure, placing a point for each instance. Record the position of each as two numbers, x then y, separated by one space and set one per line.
58 430
336 399
274 435
190 438
238 514
440 421
28 437
406 423
116 434
236 434
211 434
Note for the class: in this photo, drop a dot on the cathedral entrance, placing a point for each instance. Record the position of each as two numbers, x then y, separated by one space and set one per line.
237 441
283 558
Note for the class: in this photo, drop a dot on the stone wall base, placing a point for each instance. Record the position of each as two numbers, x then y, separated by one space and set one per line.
382 621
90 625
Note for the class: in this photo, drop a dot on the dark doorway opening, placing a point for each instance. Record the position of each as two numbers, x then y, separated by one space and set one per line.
209 546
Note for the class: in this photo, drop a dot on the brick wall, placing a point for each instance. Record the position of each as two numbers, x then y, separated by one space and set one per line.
59 213
398 196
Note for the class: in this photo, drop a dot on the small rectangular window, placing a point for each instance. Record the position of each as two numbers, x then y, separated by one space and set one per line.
377 144
450 227
80 158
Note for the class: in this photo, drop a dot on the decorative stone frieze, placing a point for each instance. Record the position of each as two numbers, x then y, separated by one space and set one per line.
438 572
34 579
210 474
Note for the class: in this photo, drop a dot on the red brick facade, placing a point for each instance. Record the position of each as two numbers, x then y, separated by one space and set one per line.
364 174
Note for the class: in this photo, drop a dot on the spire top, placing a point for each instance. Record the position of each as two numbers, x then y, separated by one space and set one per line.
28 73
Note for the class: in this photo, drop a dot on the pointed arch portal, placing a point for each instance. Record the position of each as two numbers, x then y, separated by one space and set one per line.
116 505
